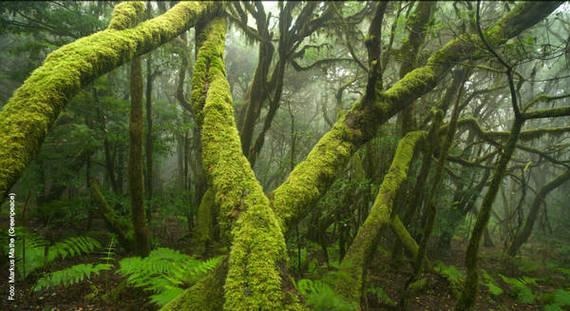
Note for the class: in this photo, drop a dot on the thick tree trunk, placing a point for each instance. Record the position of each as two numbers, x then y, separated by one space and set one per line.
136 182
256 276
148 138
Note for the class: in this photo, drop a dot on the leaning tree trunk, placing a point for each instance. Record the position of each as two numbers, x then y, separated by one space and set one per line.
364 244
469 293
525 233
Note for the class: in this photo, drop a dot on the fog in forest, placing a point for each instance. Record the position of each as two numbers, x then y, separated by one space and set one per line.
285 155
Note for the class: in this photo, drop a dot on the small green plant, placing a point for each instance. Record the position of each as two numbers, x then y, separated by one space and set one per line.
165 273
33 252
382 296
491 285
454 276
69 276
521 288
558 300
320 296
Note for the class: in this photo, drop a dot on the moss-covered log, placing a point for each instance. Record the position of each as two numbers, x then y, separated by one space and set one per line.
310 179
255 279
116 224
364 244
30 112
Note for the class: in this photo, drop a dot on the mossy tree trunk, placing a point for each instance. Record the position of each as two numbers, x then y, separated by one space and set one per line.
364 244
469 293
256 277
135 167
117 225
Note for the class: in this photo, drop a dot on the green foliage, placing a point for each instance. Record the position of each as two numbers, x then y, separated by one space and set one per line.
491 285
520 288
69 276
72 247
319 296
381 295
34 252
165 273
454 276
557 300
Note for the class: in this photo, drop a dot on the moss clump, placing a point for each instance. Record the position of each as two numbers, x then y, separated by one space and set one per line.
363 245
30 112
205 221
126 15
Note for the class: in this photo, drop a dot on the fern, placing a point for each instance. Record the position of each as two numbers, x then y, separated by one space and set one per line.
453 275
558 300
491 285
69 276
72 247
320 296
520 287
31 250
165 273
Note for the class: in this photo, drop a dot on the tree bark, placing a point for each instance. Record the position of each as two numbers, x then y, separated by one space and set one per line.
136 182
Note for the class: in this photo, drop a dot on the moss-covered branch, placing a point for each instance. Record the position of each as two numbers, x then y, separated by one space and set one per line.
116 224
126 15
492 136
310 179
364 244
258 253
30 112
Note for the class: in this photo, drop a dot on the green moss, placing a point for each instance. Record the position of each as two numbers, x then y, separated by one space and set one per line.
258 251
363 246
205 221
310 179
206 295
126 15
30 112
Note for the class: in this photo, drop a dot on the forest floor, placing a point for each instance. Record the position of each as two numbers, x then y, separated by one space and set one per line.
108 291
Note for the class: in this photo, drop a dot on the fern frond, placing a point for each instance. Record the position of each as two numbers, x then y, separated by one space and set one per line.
520 288
320 296
164 272
69 276
73 246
